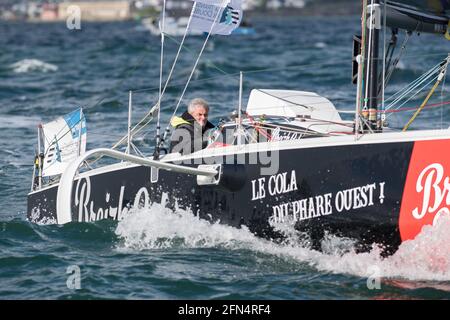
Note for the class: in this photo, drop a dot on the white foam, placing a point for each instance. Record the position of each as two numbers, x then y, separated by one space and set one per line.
320 45
30 65
159 227
425 258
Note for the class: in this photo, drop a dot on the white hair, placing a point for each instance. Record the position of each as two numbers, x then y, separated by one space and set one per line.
197 102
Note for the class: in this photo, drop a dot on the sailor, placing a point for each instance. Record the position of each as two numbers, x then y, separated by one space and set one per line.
189 129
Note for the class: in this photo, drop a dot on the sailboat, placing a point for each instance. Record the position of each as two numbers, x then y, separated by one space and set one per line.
176 27
173 26
287 159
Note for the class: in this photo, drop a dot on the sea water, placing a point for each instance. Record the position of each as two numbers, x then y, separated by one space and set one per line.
47 70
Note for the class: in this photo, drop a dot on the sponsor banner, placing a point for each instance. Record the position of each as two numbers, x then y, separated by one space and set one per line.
427 188
215 19
341 201
217 3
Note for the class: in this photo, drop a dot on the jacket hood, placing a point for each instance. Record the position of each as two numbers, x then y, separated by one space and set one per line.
187 118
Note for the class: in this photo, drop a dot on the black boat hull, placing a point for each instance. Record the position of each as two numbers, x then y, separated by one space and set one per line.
375 193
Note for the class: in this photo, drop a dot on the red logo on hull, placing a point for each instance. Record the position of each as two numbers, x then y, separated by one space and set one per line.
427 187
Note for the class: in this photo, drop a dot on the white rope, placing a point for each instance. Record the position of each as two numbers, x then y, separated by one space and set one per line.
415 94
419 80
411 89
404 94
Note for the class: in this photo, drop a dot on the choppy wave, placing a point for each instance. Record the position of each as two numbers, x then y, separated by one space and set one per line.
427 257
32 65
11 121
320 45
159 227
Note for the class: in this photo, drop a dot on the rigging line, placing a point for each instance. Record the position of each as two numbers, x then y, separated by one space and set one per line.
397 59
428 106
192 51
313 121
122 140
137 151
438 82
295 67
366 122
391 48
149 116
344 124
417 92
155 107
392 104
144 124
258 127
422 55
386 111
192 72
387 60
180 84
397 110
413 83
285 100
306 66
120 83
416 56
411 88
310 106
179 49
401 94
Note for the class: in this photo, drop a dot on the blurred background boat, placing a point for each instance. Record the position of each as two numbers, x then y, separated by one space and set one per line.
173 26
176 27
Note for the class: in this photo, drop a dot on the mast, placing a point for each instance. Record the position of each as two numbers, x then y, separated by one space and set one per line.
158 123
371 57
358 68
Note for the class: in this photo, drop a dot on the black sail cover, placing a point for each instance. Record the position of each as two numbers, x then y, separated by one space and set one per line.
430 16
